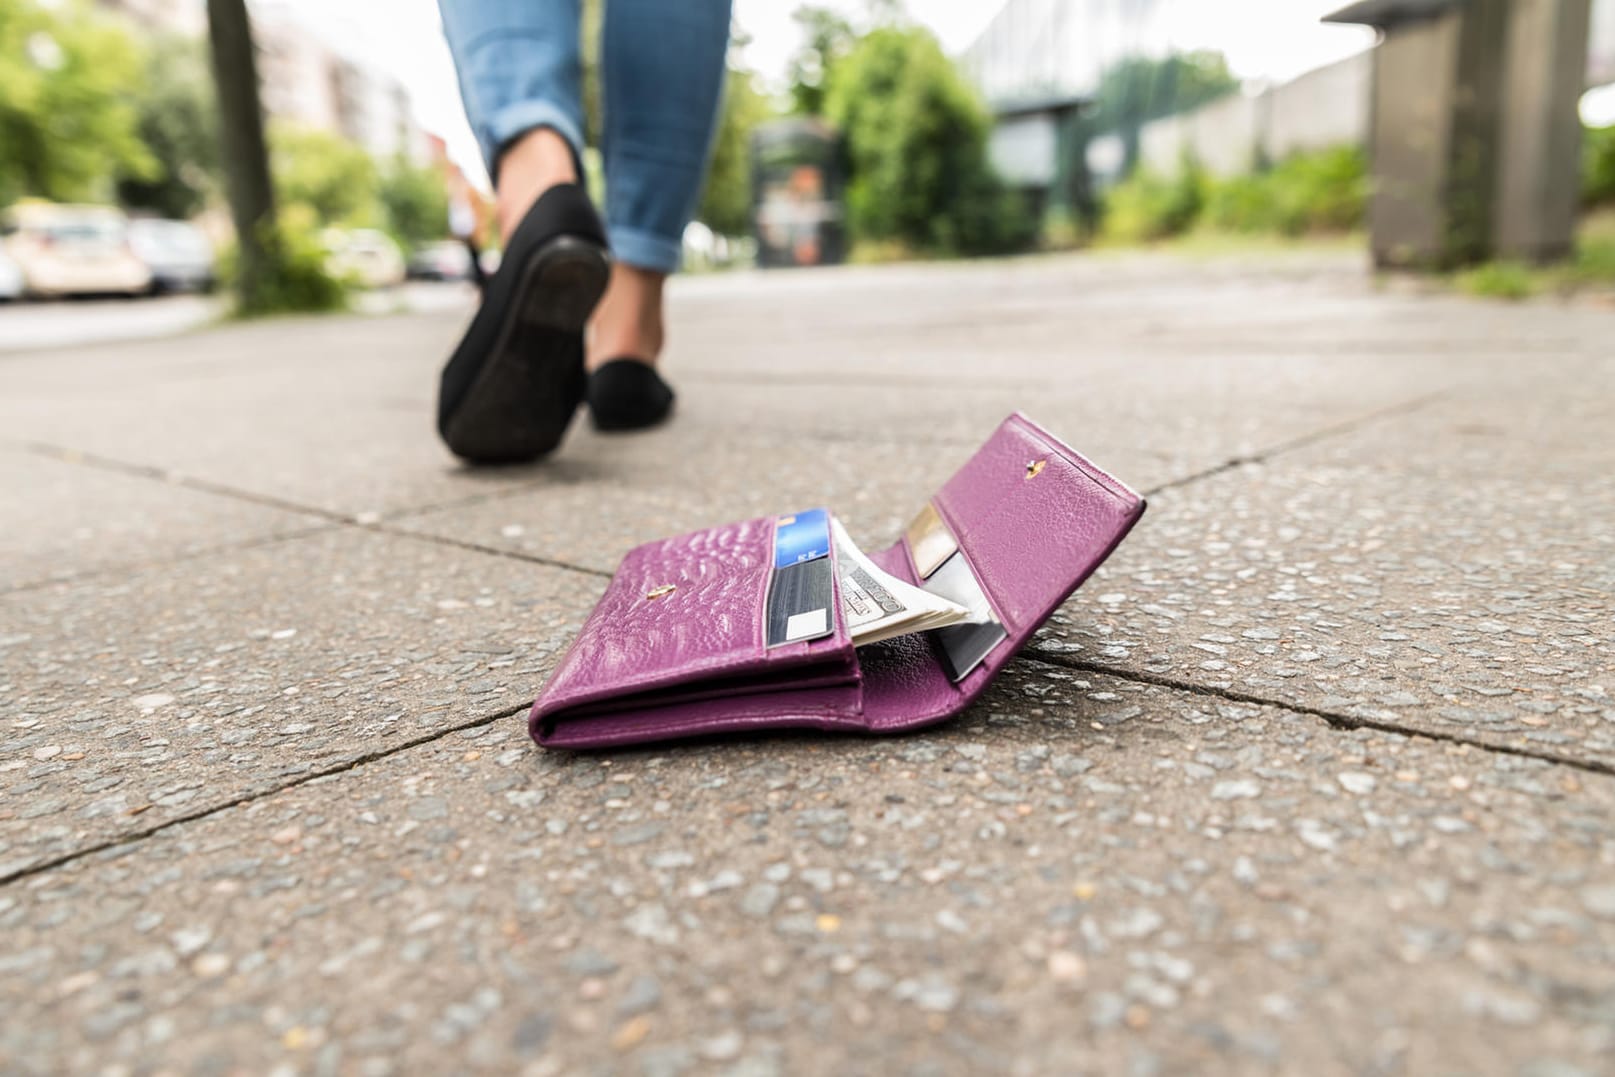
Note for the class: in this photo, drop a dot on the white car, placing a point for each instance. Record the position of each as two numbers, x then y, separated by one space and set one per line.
177 253
365 256
11 282
72 250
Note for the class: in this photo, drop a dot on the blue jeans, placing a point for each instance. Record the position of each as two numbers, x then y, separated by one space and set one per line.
662 73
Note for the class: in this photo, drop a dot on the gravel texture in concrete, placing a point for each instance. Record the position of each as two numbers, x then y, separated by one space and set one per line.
1316 776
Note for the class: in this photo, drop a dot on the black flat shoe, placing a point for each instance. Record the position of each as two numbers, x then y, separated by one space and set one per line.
626 394
511 387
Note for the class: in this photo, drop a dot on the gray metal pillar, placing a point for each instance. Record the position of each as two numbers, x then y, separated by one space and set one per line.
1539 175
1474 138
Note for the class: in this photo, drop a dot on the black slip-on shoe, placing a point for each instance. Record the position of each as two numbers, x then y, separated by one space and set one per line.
511 387
626 394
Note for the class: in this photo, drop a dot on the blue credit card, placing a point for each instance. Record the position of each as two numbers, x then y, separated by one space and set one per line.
803 537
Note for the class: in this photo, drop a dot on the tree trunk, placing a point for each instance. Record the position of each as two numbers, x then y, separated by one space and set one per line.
241 135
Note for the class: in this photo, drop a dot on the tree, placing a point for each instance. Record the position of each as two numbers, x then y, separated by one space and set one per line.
1138 89
1143 88
179 125
726 201
916 139
273 269
330 175
66 123
246 156
415 202
828 37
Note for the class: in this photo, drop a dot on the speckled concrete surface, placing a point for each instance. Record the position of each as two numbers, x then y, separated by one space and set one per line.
1317 777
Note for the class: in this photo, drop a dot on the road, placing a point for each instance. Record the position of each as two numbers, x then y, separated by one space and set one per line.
34 326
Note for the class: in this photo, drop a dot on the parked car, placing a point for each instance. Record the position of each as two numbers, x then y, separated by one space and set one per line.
363 255
448 260
11 282
177 253
72 250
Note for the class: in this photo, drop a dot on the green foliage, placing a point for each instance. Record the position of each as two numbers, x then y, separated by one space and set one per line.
67 124
1598 166
1148 206
179 125
916 137
726 201
1322 191
414 202
1499 280
1309 193
827 37
333 177
298 281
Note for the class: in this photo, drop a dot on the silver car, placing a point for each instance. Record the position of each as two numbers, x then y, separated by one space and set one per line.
177 253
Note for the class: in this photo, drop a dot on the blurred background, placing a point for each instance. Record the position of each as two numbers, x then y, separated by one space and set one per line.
1465 137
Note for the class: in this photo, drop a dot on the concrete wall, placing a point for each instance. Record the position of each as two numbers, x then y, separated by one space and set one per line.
1322 108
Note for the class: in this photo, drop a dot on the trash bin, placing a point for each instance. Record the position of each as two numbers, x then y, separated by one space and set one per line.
797 200
1474 137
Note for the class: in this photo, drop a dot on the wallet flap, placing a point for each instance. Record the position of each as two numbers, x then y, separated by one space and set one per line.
1034 519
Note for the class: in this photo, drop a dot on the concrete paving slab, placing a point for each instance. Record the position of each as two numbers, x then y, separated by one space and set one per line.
1084 875
64 519
337 415
636 490
136 699
1450 571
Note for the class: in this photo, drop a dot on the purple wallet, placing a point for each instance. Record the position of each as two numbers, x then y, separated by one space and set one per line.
676 647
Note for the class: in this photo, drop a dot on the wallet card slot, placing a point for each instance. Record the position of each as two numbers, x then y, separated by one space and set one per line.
683 621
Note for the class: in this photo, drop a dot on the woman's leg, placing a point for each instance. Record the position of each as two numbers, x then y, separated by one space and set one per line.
662 75
521 74
509 390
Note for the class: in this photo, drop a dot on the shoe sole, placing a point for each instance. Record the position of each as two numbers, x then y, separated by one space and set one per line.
523 398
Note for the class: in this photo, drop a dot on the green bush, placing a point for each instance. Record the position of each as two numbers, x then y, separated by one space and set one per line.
1148 206
1240 204
1598 166
916 141
1323 191
327 173
1499 280
297 280
414 202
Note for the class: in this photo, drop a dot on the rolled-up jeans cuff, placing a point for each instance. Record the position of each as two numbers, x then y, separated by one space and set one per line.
517 119
644 250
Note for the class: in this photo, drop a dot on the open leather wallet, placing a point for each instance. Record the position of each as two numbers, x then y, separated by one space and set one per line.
679 645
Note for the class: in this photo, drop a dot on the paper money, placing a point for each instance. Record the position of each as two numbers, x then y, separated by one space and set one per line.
876 605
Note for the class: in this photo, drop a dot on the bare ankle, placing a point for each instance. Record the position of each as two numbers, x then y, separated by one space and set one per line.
528 167
628 322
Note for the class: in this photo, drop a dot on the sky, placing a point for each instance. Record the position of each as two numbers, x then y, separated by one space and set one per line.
1263 39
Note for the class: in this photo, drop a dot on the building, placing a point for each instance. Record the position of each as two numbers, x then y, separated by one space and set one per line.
303 80
307 82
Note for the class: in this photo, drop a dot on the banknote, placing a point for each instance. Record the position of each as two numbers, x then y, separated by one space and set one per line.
876 605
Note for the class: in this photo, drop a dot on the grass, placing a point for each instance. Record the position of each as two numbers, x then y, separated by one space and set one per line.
1592 266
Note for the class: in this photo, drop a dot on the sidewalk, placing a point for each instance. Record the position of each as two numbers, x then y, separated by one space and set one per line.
1317 775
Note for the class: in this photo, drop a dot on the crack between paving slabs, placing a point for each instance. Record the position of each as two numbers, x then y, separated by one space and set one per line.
198 553
159 475
1301 441
74 456
351 763
1334 719
378 526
